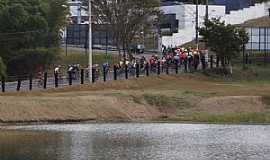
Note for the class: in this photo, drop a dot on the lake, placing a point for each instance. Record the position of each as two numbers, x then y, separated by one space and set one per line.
135 142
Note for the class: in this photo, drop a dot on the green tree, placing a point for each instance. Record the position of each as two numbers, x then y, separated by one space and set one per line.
226 41
30 26
56 13
2 68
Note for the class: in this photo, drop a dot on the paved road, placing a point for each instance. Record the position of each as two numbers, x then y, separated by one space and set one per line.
12 86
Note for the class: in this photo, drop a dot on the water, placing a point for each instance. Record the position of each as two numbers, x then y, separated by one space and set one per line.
135 142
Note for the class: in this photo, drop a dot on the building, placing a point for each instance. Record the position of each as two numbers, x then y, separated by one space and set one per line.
182 28
77 14
231 5
259 34
77 31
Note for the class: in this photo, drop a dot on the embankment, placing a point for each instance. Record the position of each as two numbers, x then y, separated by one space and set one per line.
170 98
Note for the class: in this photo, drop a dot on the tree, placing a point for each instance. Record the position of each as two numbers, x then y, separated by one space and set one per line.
56 12
226 41
2 68
126 18
29 26
40 20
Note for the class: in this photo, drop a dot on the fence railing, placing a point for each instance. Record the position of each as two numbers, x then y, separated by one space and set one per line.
57 80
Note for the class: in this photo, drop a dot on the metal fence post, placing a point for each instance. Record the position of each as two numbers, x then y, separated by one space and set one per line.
82 76
137 70
115 72
126 71
147 69
203 63
19 84
176 67
93 76
30 82
217 62
158 72
3 84
167 67
211 61
70 78
186 67
45 80
104 73
56 80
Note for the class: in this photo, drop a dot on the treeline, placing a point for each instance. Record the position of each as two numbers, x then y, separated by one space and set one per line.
30 32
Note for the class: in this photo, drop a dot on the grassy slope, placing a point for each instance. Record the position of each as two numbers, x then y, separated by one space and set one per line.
193 98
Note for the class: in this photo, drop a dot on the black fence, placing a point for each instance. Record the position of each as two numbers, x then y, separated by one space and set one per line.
106 73
77 35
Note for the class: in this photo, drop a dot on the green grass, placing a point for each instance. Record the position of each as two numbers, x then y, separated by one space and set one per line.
166 101
253 72
200 94
80 57
249 118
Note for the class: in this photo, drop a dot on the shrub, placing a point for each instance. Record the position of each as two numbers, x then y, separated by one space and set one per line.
28 61
2 68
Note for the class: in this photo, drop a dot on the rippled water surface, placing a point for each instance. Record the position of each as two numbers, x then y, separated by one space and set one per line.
135 142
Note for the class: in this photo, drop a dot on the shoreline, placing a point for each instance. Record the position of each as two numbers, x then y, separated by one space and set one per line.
21 124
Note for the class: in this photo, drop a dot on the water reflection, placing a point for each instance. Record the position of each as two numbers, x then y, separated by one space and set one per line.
135 141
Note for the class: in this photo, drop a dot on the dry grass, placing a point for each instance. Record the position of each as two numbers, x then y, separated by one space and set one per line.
181 98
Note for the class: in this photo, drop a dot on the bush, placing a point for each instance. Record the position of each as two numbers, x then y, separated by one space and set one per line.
28 61
2 68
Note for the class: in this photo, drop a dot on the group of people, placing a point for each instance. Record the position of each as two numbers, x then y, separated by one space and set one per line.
72 70
190 58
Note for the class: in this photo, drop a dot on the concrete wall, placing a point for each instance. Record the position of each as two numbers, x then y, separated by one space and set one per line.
240 16
186 15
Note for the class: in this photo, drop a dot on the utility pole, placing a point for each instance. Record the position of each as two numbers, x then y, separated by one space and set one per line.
197 24
90 52
206 17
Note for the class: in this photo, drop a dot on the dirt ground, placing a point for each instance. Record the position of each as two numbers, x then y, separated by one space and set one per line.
192 98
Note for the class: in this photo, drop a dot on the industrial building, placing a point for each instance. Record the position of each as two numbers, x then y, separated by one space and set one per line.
181 25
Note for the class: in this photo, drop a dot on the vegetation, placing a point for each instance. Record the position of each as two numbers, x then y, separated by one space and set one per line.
127 18
215 33
27 28
2 68
79 57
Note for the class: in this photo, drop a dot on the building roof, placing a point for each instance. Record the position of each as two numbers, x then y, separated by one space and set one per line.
232 5
258 22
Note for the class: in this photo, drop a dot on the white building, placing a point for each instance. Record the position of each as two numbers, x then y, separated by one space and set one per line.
77 14
186 16
259 34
